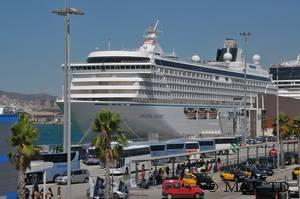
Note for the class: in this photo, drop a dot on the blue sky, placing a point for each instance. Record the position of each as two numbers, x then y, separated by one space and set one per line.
31 37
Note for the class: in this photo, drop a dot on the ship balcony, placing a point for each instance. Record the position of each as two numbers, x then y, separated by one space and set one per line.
109 79
108 87
104 95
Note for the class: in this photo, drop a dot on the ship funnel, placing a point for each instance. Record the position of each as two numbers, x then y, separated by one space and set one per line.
230 43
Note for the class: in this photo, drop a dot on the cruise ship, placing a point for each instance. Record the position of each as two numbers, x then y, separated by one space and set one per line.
159 95
288 79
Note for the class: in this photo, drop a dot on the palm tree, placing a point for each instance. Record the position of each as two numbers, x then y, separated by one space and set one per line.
107 128
285 126
296 130
23 136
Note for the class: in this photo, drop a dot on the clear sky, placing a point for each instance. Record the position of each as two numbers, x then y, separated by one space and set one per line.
31 37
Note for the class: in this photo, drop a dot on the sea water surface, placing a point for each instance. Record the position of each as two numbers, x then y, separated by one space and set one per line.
52 134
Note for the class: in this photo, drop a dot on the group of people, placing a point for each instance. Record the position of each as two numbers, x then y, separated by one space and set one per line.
198 166
157 176
36 193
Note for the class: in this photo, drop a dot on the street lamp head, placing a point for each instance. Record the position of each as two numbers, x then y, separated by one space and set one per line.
67 11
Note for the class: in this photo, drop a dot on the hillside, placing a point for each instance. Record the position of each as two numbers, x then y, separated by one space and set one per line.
38 101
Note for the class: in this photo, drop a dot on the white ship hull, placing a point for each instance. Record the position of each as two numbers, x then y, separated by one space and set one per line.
144 120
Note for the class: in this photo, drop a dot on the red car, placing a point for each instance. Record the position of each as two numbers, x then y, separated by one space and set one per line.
176 189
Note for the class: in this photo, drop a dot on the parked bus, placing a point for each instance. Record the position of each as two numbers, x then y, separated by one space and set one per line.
226 145
133 152
207 145
59 166
176 148
190 147
88 155
158 149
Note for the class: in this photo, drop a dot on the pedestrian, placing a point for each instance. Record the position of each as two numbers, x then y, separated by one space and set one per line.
42 193
49 194
35 193
177 170
143 173
167 171
160 176
59 193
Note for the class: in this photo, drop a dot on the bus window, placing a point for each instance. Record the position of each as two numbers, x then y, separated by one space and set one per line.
157 148
175 146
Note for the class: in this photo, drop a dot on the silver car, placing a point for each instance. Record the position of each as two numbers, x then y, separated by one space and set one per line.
80 175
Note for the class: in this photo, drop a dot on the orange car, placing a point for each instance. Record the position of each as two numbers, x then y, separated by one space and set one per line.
189 179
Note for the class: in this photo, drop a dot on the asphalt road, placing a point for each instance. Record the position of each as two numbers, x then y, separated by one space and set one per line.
79 191
221 192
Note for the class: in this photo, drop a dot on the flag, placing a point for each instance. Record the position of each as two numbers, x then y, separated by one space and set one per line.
99 188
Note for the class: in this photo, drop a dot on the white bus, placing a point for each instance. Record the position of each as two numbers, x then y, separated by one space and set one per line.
133 152
190 147
226 145
59 167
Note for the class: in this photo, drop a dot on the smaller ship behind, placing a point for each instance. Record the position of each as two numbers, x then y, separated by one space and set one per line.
287 76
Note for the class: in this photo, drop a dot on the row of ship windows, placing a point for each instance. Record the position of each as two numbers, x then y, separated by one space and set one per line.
189 88
113 67
200 82
184 95
183 73
204 76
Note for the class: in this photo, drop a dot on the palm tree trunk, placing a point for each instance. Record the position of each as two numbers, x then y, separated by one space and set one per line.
107 177
21 184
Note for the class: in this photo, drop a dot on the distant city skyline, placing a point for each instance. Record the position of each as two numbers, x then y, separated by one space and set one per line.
31 37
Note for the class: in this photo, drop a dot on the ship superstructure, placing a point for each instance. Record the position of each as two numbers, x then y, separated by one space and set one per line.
287 76
159 94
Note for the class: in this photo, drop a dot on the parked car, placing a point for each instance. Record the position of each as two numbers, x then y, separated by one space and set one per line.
248 186
189 179
204 181
176 189
295 173
254 172
233 175
80 175
290 158
270 191
293 190
266 169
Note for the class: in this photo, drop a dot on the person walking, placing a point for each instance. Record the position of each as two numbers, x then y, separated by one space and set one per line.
49 194
59 193
167 171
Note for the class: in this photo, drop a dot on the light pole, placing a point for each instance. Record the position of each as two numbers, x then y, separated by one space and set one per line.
280 159
245 35
66 12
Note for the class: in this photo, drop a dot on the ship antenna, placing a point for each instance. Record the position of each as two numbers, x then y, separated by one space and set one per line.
156 24
108 44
